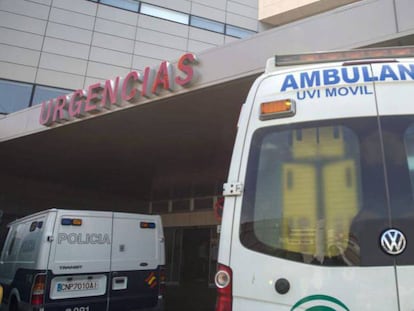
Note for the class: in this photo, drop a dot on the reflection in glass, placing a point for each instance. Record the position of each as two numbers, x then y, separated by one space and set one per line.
303 190
130 5
207 24
14 96
43 93
238 32
164 13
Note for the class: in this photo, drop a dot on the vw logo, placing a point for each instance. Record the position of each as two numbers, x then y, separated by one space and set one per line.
393 241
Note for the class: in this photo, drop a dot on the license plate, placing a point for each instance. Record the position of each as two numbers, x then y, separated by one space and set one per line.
63 287
76 286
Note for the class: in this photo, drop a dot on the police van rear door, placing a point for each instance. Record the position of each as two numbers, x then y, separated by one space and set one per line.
80 260
395 93
315 199
136 261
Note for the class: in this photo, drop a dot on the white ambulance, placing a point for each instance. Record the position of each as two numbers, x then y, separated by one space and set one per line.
72 260
319 203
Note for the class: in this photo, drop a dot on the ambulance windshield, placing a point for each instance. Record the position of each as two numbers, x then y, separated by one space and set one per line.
322 193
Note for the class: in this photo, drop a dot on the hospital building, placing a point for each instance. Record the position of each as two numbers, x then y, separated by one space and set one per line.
132 106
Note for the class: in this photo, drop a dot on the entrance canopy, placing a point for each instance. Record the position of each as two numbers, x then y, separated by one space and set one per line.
175 147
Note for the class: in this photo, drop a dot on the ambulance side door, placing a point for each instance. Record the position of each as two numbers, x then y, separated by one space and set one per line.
395 96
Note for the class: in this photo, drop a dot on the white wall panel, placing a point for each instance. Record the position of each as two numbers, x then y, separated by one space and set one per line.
160 38
63 63
72 19
140 62
59 79
45 2
21 38
26 8
243 10
66 48
19 55
69 33
17 72
112 42
110 57
242 21
122 16
218 4
208 12
24 23
114 28
156 51
206 36
250 3
104 72
80 6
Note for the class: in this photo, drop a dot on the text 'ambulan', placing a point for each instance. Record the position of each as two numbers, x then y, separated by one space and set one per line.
134 87
346 75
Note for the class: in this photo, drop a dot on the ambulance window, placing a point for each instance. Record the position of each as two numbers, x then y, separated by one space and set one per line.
409 145
302 191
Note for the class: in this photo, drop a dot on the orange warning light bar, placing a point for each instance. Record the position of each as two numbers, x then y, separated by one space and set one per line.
277 109
77 222
338 56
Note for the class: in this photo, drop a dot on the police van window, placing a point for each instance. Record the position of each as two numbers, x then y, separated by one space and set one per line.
305 191
12 243
4 240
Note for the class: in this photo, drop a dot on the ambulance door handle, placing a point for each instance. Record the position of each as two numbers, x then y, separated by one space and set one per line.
282 286
143 264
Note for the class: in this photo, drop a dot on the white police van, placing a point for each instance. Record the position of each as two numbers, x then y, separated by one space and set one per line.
319 203
74 260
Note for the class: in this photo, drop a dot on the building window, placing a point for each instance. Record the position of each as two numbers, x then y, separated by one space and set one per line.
178 17
42 93
164 13
130 5
207 24
238 32
14 96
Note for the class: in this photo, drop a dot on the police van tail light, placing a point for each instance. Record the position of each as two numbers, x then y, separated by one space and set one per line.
38 290
223 281
162 281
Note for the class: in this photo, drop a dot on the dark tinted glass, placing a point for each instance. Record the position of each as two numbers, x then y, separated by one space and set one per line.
315 193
